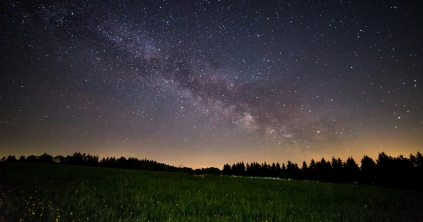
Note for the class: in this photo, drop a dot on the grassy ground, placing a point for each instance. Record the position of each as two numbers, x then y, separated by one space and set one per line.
37 192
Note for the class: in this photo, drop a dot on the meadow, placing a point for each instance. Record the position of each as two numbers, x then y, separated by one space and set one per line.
49 192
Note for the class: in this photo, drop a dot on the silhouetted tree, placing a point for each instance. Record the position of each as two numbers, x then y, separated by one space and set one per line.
304 167
255 169
305 172
31 159
248 170
264 170
417 162
273 172
337 175
226 170
351 170
293 170
22 158
239 169
121 162
45 158
403 168
75 159
11 158
188 170
384 169
312 170
368 171
278 168
323 170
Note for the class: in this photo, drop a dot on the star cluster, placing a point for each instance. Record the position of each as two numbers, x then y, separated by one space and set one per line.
202 83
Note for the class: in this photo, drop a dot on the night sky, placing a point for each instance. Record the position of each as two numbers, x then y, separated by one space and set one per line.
204 83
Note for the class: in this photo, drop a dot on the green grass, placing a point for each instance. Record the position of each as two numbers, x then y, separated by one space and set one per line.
37 192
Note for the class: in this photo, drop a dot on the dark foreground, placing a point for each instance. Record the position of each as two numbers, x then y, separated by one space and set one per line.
38 192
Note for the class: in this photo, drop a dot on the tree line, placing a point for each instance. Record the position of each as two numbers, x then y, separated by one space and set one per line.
111 162
386 171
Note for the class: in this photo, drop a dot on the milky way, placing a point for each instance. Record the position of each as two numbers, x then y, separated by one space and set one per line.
209 82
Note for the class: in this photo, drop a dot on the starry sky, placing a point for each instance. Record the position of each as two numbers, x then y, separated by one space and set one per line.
204 83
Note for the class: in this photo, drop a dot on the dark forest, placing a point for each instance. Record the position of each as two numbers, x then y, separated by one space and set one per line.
386 171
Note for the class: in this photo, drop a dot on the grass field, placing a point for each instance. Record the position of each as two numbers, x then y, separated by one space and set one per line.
37 192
